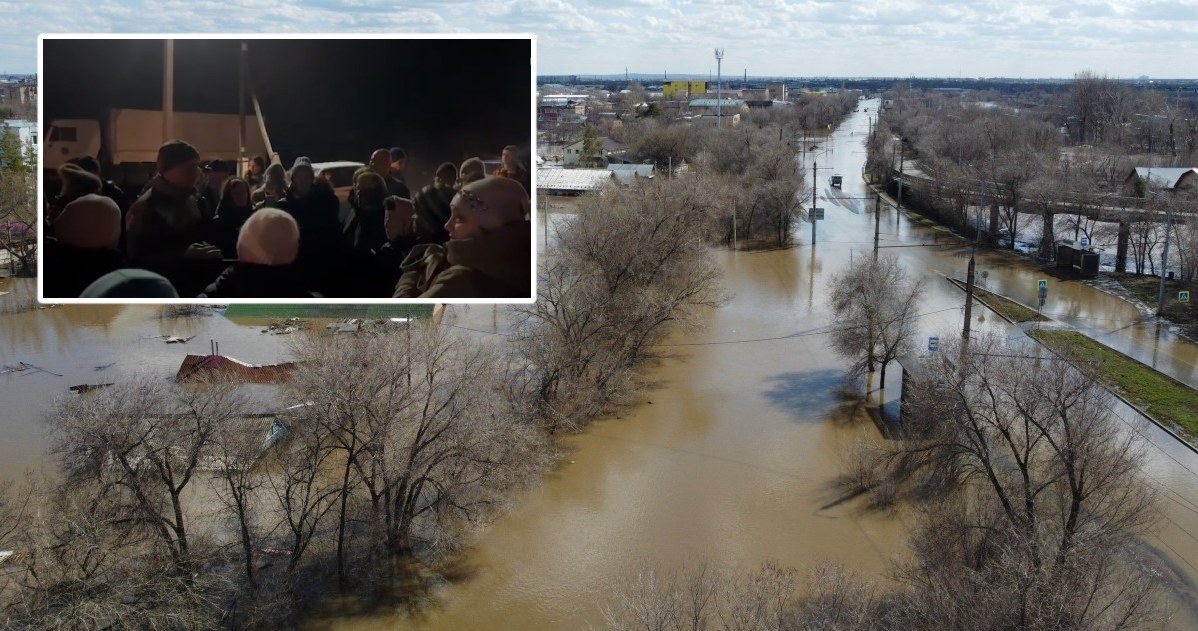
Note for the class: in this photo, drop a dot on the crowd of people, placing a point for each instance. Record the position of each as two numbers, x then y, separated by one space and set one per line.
197 230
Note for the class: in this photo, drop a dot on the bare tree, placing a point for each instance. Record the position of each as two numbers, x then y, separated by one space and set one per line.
1034 497
629 267
149 438
874 302
701 598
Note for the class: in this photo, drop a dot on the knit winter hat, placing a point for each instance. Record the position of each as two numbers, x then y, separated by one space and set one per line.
174 153
397 154
301 162
495 202
130 283
92 221
269 237
472 170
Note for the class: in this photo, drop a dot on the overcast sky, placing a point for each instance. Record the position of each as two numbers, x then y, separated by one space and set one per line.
956 38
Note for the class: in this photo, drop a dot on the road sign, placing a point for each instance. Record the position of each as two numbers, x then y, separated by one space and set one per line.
1042 285
1085 242
1183 296
817 214
933 344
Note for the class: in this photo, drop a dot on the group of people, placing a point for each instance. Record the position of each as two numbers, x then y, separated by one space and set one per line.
197 230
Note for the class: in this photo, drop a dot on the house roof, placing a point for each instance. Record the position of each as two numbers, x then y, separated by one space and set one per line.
609 145
625 173
714 102
1164 177
572 179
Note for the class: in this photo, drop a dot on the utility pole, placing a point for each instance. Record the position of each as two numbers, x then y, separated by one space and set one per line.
968 297
877 223
733 225
1160 298
814 187
902 154
719 61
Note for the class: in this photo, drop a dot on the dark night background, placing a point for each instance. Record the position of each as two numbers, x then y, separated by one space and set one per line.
441 100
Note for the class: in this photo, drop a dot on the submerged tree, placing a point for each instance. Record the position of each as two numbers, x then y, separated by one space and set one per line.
874 304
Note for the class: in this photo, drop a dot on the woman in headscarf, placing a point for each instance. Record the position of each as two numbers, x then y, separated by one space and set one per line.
267 246
232 211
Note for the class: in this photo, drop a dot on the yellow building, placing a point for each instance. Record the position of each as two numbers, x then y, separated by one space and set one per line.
683 89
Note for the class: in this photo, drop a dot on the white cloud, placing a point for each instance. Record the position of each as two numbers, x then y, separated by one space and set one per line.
864 37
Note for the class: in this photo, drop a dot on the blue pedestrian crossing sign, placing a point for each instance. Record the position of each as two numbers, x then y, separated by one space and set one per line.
933 344
1042 285
1183 296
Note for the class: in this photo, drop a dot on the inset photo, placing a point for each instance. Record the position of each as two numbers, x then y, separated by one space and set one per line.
286 168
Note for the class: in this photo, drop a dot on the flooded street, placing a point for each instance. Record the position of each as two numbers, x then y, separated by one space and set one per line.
729 455
726 458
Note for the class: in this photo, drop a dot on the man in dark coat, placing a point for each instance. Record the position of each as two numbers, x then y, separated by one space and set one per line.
513 169
381 163
432 204
166 227
216 173
314 206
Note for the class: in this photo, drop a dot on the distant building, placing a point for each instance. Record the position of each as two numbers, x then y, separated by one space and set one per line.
572 181
23 91
629 173
683 89
611 149
26 131
703 107
1164 178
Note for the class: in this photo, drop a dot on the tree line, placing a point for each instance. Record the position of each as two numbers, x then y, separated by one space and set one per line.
1060 160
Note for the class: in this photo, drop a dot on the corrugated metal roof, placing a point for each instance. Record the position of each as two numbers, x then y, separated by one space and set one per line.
625 172
713 102
572 179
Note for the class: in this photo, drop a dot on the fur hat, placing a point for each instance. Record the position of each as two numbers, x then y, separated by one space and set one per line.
76 182
495 202
269 237
92 221
130 283
174 153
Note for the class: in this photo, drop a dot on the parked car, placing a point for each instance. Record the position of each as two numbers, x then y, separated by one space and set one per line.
340 174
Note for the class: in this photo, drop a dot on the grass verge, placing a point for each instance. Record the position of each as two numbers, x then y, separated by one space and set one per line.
1161 396
1011 310
1146 288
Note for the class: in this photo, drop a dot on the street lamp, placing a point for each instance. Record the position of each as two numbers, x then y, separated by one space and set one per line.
719 59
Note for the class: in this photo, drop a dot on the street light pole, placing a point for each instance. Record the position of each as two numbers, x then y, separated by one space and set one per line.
719 59
814 187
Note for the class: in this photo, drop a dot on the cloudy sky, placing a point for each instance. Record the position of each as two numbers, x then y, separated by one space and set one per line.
1011 38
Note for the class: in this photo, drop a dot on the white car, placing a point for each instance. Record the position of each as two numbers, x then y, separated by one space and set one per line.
340 175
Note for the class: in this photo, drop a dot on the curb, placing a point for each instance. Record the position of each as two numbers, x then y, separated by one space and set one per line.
1168 430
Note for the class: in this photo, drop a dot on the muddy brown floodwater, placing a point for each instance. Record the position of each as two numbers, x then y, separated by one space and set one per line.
727 458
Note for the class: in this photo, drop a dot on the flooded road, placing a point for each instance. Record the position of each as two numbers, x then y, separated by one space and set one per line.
727 457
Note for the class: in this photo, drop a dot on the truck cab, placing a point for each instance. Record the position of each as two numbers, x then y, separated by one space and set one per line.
837 180
69 139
